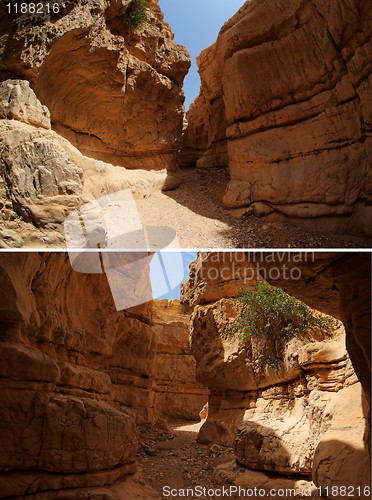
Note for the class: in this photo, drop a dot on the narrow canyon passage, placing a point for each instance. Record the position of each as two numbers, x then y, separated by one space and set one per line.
158 336
93 105
102 402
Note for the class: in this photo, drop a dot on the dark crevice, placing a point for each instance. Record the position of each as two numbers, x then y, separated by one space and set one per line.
79 132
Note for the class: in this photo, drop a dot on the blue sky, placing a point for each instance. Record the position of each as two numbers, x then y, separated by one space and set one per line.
195 24
167 271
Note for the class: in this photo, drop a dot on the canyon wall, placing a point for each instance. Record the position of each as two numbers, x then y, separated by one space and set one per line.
154 368
285 104
113 91
305 416
77 376
43 177
338 284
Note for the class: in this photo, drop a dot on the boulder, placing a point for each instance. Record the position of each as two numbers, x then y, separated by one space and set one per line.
19 102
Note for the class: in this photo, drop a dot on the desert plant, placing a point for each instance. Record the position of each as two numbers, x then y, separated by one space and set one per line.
272 363
136 14
270 313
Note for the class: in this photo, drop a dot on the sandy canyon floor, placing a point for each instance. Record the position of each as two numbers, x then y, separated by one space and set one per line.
173 458
194 210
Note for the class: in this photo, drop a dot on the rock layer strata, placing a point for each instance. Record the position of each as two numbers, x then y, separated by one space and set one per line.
77 376
285 103
288 419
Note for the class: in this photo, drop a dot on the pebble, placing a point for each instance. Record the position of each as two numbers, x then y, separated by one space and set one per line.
150 451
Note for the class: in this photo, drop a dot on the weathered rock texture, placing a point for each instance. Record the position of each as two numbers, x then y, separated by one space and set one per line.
290 419
338 284
114 92
157 376
76 376
43 178
18 102
214 275
285 103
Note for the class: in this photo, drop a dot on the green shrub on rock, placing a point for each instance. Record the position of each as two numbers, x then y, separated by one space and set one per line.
270 311
270 314
136 14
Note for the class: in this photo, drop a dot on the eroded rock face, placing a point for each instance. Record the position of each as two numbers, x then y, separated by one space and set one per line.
56 410
214 275
19 102
338 284
289 418
285 103
157 379
114 92
250 374
76 376
40 184
43 178
179 394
